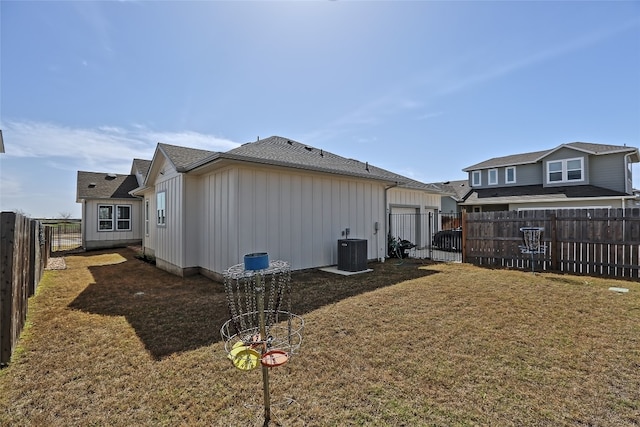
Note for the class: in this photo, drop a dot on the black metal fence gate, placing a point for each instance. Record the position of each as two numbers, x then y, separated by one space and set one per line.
66 235
432 235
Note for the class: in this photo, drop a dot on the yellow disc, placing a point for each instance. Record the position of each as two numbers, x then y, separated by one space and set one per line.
244 358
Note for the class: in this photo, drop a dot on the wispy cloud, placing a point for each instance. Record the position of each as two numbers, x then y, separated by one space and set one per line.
530 59
366 116
104 148
93 14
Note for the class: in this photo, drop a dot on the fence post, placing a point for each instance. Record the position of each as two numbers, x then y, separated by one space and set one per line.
555 253
464 235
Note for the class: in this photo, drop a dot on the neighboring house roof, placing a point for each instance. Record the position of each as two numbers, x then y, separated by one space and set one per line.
456 189
279 151
100 185
537 193
536 156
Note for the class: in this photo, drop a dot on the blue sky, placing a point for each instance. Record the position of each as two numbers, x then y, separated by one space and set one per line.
423 89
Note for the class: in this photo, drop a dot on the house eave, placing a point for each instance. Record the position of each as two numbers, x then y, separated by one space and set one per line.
534 199
622 150
139 192
496 166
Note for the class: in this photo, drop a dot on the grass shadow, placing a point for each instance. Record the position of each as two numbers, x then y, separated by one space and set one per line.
172 314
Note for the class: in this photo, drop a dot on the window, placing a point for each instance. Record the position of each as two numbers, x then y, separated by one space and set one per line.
566 170
161 207
574 170
510 175
493 176
146 217
123 219
107 221
105 217
475 179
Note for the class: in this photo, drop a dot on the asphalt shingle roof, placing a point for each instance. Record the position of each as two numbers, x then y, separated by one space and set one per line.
532 193
141 166
280 151
457 189
101 185
535 156
183 157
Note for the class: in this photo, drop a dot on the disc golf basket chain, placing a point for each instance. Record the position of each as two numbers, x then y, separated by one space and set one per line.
532 238
262 330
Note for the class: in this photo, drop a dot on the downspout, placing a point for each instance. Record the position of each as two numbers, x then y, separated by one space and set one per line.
387 211
626 175
628 183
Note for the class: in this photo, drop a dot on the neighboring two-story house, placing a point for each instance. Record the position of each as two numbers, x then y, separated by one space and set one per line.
573 175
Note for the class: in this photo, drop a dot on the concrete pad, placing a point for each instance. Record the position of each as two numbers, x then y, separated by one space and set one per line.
334 269
622 290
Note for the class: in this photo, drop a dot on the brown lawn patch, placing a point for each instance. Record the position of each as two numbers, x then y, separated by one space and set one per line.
112 340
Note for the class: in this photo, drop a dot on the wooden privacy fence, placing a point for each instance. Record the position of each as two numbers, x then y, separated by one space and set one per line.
599 242
23 257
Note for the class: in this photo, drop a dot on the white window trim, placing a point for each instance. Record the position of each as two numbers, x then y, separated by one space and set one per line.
506 175
474 175
146 217
493 172
114 220
565 171
117 219
105 220
161 211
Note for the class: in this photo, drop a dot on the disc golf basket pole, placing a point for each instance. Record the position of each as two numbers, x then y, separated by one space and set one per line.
263 333
531 237
262 330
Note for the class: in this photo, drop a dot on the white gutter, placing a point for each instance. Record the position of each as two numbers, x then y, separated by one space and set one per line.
137 192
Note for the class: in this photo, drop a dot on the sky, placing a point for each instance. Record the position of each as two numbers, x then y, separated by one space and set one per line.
421 88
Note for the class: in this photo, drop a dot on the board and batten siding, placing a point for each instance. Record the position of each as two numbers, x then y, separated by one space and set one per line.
296 217
402 200
169 239
94 239
149 238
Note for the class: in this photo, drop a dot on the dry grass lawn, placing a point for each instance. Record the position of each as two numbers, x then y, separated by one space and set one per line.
113 341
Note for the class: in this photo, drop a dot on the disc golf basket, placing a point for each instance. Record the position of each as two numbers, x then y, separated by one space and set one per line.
532 237
262 331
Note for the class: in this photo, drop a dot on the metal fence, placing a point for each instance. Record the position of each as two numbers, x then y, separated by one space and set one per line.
66 235
432 235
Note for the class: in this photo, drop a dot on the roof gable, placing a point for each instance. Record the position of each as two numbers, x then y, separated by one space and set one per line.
140 166
183 157
593 149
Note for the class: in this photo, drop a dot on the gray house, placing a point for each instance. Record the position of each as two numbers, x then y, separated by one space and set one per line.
573 175
111 216
199 211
